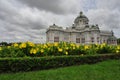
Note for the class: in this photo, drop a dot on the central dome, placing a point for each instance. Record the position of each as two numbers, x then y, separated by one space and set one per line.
81 18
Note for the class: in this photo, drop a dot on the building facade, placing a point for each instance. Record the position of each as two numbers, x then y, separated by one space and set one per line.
80 32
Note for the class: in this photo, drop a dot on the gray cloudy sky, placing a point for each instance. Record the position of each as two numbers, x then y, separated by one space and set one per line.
23 20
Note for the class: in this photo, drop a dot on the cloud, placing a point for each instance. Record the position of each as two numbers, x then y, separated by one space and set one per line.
22 20
106 15
14 23
108 4
55 6
47 5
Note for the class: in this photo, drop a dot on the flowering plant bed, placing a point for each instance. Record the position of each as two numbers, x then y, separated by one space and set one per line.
28 56
55 49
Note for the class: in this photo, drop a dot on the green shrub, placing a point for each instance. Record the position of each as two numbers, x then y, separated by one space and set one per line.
40 63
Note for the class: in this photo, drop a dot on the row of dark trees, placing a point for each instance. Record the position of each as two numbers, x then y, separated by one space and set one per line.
5 44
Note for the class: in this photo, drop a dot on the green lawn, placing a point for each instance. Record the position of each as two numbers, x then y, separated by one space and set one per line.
107 70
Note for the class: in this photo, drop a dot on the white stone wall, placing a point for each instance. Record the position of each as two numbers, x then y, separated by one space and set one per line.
61 36
96 35
51 36
87 38
71 37
66 37
104 38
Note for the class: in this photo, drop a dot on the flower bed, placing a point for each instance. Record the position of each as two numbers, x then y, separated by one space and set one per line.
55 49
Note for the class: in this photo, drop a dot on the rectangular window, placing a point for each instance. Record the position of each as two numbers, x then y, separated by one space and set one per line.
92 39
97 39
77 40
104 41
56 39
83 40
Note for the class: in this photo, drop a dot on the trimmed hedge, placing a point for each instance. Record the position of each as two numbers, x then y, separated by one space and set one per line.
40 63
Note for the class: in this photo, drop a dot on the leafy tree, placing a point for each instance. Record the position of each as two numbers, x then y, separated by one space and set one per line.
4 43
118 40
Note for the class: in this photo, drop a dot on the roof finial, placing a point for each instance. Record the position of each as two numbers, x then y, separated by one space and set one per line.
112 32
53 24
81 13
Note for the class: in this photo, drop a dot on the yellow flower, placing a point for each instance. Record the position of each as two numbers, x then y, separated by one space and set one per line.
0 48
66 48
48 44
103 45
44 46
8 47
60 49
73 47
72 44
33 51
31 44
86 47
15 45
37 49
117 51
66 53
56 44
118 47
41 50
23 45
77 46
48 48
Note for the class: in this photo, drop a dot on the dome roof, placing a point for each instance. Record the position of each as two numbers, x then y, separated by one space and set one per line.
81 17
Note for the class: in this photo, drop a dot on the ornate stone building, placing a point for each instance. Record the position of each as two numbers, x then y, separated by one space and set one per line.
80 32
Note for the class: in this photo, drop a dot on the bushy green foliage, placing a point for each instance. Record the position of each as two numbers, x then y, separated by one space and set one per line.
8 51
40 63
106 70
